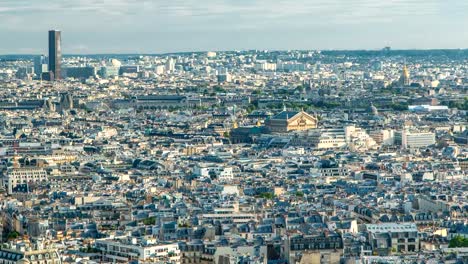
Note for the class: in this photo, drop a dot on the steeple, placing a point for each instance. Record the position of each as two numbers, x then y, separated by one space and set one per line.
16 163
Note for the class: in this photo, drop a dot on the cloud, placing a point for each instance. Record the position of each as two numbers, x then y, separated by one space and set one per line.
109 23
261 9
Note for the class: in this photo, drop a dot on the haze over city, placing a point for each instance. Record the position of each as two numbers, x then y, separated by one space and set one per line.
142 26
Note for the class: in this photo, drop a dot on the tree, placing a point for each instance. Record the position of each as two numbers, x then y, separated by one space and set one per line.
458 242
219 89
251 108
399 106
90 249
149 221
212 175
458 104
12 235
300 88
185 224
257 92
267 195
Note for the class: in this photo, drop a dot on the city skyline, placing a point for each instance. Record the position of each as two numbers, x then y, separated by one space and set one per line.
158 27
233 131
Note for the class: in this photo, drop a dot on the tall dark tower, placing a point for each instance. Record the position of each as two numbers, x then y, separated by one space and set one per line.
55 53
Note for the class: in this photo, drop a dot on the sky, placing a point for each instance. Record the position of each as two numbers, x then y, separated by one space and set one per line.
161 26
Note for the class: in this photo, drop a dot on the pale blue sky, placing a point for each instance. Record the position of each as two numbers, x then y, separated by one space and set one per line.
155 26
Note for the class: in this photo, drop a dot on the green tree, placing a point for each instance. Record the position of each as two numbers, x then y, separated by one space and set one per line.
267 195
219 89
251 108
460 105
90 249
149 221
458 242
212 175
12 235
257 92
399 106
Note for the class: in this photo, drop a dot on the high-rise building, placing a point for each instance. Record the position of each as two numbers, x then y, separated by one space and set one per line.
25 73
223 76
129 69
265 66
55 53
40 65
159 69
170 65
84 72
417 139
109 71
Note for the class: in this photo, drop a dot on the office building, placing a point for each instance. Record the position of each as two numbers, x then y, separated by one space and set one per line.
224 77
265 66
170 65
40 65
55 53
79 72
109 71
129 69
417 139
25 73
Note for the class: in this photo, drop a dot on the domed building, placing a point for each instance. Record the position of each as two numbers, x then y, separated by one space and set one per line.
405 77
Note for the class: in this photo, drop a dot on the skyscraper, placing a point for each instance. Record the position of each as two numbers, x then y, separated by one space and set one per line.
55 53
170 65
40 65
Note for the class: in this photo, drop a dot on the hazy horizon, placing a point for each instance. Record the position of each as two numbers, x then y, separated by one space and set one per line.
155 27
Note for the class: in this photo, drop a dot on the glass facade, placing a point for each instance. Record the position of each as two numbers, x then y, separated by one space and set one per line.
55 53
